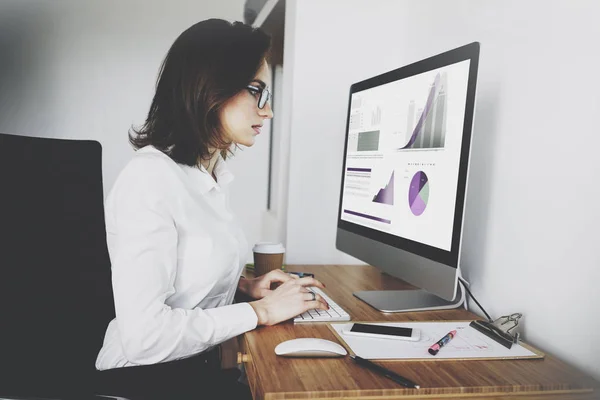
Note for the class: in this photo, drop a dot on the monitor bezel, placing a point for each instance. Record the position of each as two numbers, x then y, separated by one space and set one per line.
467 52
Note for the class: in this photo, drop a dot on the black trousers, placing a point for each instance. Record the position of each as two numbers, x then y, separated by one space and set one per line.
194 378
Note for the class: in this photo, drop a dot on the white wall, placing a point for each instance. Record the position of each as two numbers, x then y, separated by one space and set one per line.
531 230
87 70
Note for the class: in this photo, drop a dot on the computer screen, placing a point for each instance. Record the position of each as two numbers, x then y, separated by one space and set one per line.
405 167
403 155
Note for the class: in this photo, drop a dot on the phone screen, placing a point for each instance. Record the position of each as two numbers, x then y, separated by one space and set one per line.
382 330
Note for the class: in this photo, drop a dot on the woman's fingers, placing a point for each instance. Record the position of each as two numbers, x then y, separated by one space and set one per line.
279 275
291 299
313 304
315 300
309 281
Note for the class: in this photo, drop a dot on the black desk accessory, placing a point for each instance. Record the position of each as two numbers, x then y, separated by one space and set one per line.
499 330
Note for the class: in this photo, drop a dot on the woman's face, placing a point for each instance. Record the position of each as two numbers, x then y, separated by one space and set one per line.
241 119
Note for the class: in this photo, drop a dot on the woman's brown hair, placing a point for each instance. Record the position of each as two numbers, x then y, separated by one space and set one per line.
207 65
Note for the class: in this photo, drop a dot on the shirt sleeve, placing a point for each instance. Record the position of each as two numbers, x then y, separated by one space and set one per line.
143 238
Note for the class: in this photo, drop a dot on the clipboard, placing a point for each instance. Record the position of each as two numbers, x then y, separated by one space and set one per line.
469 344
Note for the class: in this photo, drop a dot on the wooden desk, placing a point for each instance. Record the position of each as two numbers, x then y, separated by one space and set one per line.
272 377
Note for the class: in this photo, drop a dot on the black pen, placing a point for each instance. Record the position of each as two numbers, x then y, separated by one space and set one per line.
385 372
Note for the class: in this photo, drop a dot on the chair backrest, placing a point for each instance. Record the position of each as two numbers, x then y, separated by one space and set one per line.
56 297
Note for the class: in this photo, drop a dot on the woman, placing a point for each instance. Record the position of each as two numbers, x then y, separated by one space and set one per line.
177 253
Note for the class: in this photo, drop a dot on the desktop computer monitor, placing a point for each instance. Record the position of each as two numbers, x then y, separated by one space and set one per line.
404 177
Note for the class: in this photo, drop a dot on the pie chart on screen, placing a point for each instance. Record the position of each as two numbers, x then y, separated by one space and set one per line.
418 193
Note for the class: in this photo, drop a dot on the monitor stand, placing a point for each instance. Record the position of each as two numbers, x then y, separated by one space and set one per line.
394 301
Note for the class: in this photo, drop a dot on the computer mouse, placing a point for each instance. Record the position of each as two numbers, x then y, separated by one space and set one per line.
309 347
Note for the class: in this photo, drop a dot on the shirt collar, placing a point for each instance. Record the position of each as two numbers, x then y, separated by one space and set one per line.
201 176
222 172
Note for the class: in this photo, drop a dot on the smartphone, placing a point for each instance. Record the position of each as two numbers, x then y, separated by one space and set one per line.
384 332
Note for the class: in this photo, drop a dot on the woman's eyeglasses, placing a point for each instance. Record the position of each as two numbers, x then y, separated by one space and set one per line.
265 94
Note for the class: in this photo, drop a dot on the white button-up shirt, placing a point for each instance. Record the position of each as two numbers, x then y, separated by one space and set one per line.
177 255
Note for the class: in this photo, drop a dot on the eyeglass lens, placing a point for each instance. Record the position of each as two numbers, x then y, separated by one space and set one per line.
265 95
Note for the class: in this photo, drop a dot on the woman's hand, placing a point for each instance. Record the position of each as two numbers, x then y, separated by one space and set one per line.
290 299
260 287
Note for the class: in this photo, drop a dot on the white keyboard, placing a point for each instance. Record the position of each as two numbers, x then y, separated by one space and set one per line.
335 312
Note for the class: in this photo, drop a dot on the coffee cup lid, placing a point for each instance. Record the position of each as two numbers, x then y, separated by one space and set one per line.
268 248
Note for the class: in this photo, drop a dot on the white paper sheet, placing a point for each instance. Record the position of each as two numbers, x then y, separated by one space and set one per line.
468 343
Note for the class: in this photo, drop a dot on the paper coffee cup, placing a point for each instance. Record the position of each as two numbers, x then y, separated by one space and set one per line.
267 257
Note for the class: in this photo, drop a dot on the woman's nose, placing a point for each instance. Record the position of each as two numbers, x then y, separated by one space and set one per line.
266 112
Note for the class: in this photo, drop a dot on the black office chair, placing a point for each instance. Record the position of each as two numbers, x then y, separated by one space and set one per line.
55 282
